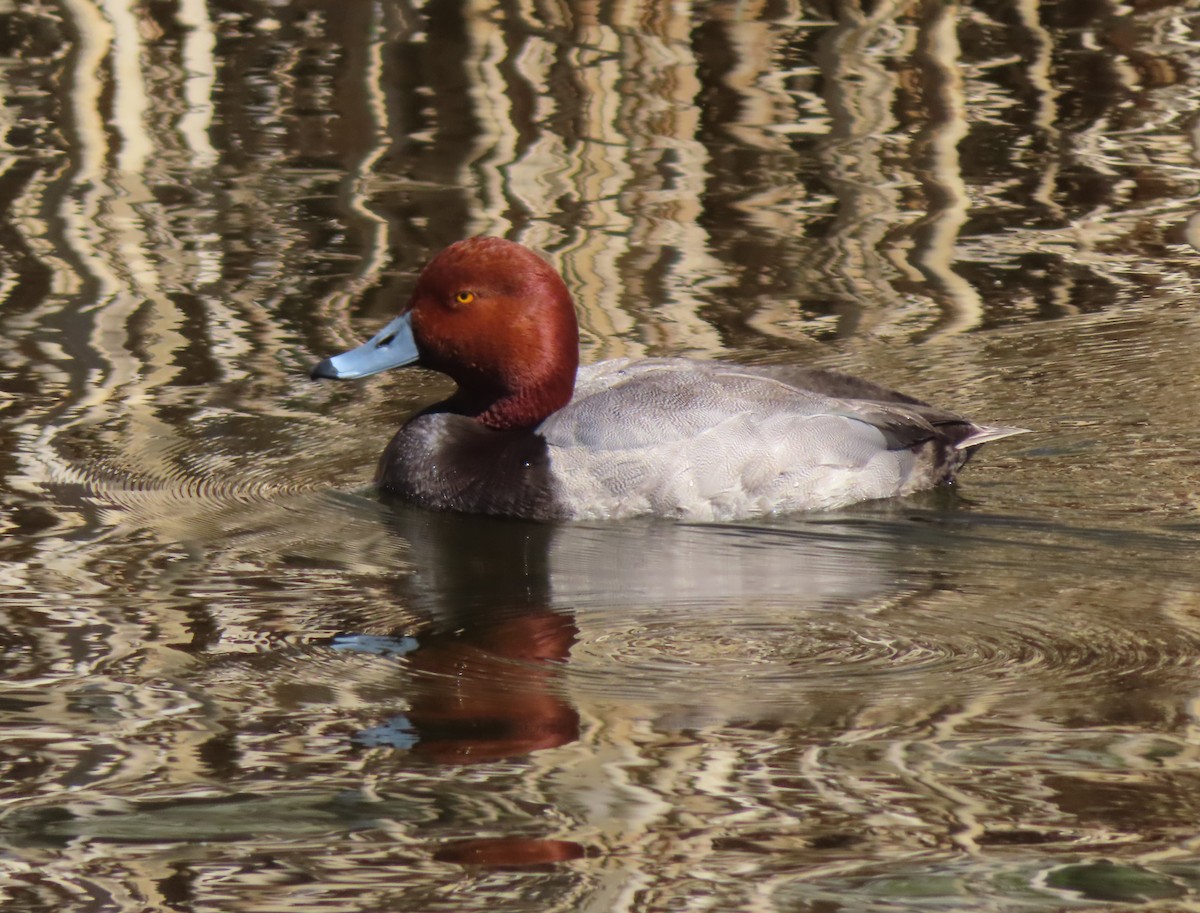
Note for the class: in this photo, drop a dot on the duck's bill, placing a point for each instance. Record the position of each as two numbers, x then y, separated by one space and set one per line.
391 347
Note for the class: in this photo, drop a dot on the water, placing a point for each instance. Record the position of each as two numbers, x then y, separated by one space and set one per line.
234 679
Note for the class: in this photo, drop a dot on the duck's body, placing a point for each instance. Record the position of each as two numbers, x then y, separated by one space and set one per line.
669 437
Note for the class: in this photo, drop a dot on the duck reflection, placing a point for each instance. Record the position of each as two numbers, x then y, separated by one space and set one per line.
489 692
485 670
499 604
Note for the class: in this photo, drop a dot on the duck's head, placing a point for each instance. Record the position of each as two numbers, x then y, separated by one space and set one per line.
496 318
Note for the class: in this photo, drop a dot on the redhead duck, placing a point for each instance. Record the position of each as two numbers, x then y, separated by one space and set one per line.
530 434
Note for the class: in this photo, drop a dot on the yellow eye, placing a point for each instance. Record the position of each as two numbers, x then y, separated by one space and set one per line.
464 297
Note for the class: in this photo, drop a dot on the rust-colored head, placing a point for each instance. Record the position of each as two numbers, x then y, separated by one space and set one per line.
499 320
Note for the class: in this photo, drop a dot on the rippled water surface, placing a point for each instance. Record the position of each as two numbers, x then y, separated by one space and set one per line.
235 679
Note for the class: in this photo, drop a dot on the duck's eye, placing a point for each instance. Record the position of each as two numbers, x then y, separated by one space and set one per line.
464 297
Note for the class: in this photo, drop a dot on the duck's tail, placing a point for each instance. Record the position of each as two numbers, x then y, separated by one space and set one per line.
982 434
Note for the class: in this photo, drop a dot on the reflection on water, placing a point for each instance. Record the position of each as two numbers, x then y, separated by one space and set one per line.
235 680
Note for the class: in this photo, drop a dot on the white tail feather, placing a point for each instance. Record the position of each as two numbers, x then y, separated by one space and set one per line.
985 433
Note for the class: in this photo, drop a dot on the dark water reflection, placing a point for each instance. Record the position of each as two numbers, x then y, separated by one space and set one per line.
233 679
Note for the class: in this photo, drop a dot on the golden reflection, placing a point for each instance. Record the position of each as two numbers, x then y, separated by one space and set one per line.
952 695
199 78
939 56
860 96
130 105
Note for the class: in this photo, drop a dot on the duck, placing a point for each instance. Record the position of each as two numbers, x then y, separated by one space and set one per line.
529 433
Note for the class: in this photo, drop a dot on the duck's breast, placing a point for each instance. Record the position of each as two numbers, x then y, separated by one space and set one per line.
450 462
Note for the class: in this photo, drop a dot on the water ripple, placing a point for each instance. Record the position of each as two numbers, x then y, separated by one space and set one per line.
907 645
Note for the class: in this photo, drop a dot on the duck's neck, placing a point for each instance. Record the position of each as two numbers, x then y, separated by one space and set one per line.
524 408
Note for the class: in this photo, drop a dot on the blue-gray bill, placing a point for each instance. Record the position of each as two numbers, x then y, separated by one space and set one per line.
391 347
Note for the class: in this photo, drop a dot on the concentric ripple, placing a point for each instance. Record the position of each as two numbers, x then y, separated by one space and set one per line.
941 643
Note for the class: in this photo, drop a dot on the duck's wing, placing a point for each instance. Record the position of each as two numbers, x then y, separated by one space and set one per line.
906 426
628 405
904 418
711 441
830 383
633 404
